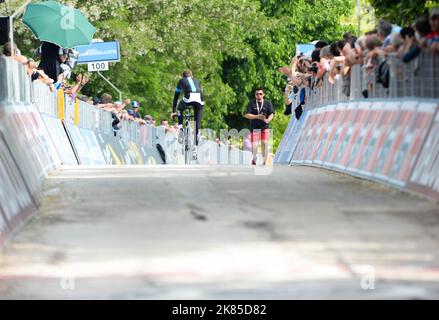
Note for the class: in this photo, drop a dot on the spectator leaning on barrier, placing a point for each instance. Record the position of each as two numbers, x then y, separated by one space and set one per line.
165 125
72 90
260 112
52 56
134 111
114 115
7 51
433 36
422 28
124 115
119 105
320 45
31 70
86 99
38 75
70 63
375 51
384 32
106 98
148 119
411 47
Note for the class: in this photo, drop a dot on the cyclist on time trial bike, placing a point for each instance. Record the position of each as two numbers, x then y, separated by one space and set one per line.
192 97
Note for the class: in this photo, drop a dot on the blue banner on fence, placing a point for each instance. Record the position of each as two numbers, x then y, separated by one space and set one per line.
99 51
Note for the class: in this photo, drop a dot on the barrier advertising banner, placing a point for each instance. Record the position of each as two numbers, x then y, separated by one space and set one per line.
340 124
289 142
416 134
81 148
30 143
281 153
378 140
425 177
60 139
16 203
93 146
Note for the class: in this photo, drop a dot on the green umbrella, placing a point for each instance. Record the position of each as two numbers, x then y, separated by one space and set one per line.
53 22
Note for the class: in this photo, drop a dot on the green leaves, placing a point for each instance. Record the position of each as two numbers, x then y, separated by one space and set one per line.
402 13
232 46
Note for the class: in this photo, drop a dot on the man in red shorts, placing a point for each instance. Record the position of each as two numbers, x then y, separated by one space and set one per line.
260 112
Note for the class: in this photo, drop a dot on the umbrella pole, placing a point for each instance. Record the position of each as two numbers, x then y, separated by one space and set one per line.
11 25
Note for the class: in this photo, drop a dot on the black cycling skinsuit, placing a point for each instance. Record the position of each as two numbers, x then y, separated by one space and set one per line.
193 96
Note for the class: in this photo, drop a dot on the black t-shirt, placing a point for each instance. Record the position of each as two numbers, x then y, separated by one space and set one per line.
265 108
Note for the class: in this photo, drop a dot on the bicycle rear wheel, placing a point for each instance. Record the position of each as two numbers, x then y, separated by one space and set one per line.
188 145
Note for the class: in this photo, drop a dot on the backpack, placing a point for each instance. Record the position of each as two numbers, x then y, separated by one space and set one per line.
384 74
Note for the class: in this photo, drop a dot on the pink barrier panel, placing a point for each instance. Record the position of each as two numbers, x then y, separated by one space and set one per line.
281 153
16 202
307 134
356 133
379 140
30 143
406 152
425 177
27 153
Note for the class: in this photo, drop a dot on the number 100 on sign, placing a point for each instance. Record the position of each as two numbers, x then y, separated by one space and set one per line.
98 66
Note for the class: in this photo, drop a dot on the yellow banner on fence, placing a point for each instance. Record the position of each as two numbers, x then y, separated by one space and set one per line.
61 106
76 120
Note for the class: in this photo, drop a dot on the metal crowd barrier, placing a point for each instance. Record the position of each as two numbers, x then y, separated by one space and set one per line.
10 88
46 101
88 116
418 78
84 115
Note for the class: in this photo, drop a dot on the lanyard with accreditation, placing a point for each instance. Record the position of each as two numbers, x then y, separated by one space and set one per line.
257 107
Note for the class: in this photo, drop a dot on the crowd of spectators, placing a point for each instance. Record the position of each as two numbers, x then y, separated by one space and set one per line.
55 70
54 77
125 110
372 51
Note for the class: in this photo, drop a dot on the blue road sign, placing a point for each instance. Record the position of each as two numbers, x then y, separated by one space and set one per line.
99 51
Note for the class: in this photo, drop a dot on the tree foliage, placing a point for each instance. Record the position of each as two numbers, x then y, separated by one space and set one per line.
402 12
232 46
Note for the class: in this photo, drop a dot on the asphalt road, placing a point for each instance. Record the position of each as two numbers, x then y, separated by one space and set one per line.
222 233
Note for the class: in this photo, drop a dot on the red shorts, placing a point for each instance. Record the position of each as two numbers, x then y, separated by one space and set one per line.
256 135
